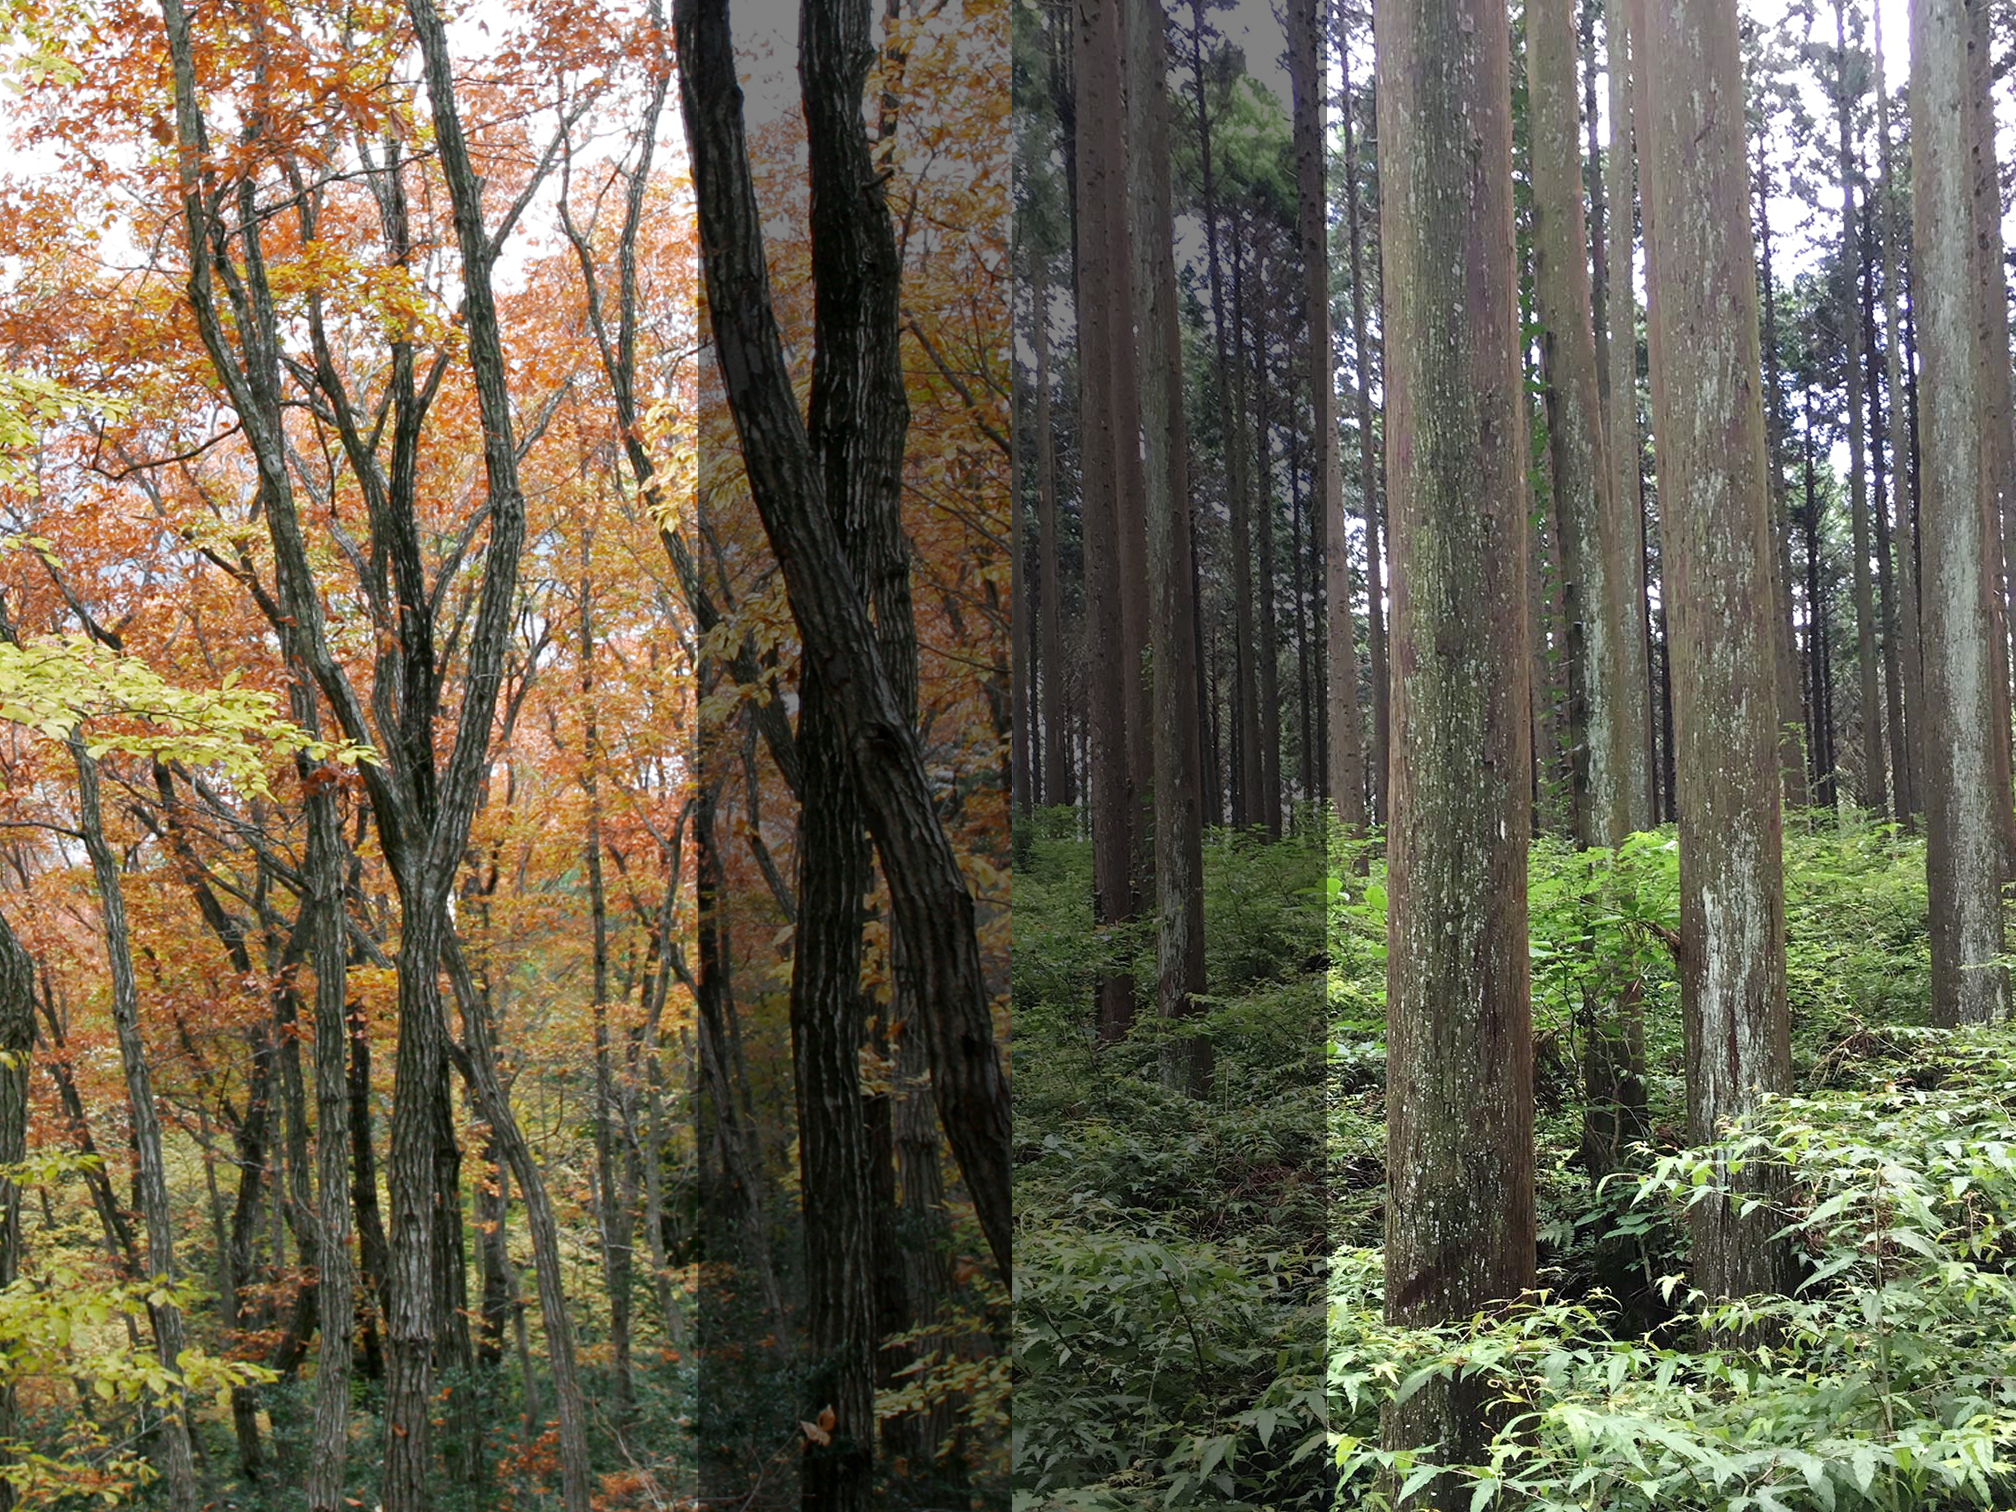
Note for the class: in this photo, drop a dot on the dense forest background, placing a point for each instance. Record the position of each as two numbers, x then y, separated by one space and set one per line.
1513 799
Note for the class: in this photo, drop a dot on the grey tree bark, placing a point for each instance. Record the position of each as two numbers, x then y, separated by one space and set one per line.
1709 420
1963 859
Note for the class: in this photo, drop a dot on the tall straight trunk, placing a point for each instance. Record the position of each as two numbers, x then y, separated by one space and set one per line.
1819 674
172 1452
1057 787
1298 556
1368 463
1716 547
1883 483
1911 664
1246 800
1179 847
1104 434
374 1261
1998 417
1459 1220
1869 711
1634 755
614 1223
1964 855
17 1042
1268 683
1587 547
1308 76
1791 759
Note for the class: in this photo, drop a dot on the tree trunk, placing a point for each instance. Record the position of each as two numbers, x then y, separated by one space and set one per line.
1791 759
1910 758
1049 585
1179 853
173 1453
1716 541
1963 783
933 908
1309 78
1368 465
1460 1216
1247 802
1998 508
1621 310
1585 517
1875 783
17 1043
1882 478
1103 435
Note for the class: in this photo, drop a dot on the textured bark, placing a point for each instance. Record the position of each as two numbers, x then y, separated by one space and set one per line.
1368 463
932 906
1347 733
1911 665
1621 311
172 1450
1963 859
1459 1224
1998 409
1267 656
1179 852
1717 544
1874 792
1246 797
1057 787
17 1042
1103 434
1585 516
1791 705
1882 481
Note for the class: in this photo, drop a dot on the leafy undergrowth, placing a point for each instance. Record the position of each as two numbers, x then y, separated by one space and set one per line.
1886 1380
1175 1257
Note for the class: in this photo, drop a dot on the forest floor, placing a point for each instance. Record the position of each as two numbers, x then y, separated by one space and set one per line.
1198 1309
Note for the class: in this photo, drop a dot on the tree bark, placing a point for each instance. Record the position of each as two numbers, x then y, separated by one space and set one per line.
1309 81
1791 759
17 1043
1179 851
933 908
1875 782
1368 465
1963 798
1460 1215
1585 515
173 1452
1717 586
1910 759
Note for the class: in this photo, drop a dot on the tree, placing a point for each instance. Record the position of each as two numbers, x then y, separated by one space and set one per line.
1179 860
931 904
1874 792
1585 516
1347 734
1715 530
1459 1218
1963 788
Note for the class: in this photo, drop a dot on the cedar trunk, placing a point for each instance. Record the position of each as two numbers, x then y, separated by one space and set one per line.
1718 592
1459 1219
